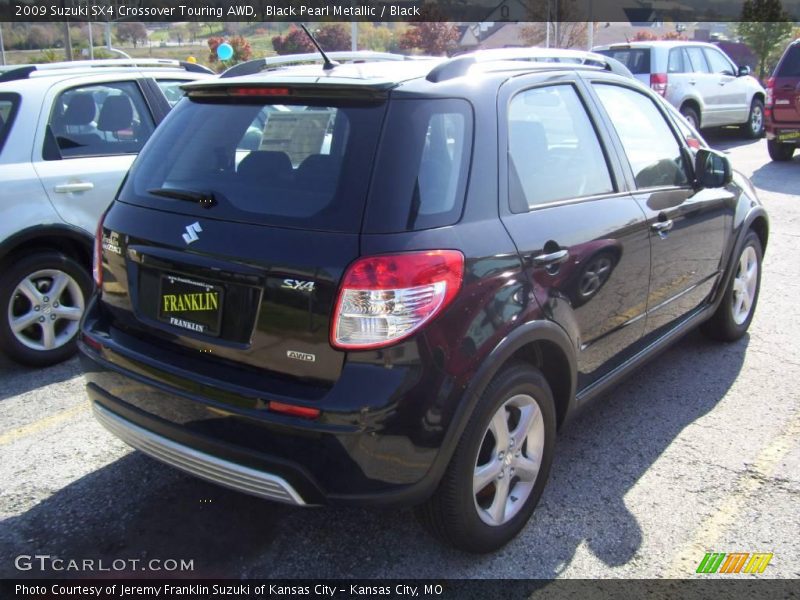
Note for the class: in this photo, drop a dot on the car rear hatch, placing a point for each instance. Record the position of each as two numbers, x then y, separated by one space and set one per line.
636 59
236 223
786 88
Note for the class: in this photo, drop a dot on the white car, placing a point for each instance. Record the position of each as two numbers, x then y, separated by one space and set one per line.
699 79
68 135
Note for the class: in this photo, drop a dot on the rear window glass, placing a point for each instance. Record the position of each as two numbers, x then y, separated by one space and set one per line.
790 65
421 170
8 108
172 89
636 59
276 164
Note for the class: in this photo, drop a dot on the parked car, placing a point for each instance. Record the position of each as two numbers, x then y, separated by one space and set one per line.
698 79
407 312
783 105
68 134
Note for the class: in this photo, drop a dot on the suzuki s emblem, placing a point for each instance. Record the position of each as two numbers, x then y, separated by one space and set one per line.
191 232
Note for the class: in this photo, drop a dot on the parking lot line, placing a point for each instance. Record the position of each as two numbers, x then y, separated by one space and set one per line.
750 481
18 433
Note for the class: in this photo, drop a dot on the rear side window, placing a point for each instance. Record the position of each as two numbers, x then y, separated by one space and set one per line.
790 64
553 150
676 63
636 59
290 165
653 151
171 88
98 120
697 60
8 109
421 171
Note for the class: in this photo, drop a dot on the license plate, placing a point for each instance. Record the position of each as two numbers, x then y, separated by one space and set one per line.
190 304
785 136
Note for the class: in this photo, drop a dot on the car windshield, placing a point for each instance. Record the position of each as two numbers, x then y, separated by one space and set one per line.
277 164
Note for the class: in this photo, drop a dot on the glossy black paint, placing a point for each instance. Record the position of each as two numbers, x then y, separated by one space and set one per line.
391 418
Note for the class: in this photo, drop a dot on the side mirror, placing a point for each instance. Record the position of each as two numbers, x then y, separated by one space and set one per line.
712 169
744 71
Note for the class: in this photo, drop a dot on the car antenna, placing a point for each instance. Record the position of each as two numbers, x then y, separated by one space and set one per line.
328 63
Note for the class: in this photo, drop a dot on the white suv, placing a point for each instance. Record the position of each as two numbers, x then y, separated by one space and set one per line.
68 135
698 79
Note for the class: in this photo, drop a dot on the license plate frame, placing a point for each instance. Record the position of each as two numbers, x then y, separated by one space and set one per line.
189 303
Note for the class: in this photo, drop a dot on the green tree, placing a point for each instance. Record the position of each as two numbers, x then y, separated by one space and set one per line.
764 26
432 38
132 31
294 42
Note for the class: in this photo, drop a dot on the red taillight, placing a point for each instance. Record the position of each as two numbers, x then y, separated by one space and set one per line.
259 91
658 82
97 259
384 299
305 412
770 92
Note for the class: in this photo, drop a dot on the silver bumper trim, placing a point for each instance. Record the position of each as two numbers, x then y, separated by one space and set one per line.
202 465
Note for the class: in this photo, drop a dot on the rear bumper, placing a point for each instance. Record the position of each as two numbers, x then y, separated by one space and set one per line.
202 465
775 131
379 438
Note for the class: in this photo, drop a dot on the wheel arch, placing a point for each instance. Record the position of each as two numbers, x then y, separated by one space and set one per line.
695 105
72 241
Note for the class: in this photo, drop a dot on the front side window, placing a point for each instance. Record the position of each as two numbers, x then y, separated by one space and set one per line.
653 151
553 150
98 120
718 63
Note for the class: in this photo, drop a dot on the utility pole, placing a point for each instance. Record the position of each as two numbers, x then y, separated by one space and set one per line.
67 41
354 36
91 42
2 47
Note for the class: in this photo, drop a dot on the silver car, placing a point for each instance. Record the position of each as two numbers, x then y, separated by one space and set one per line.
68 135
699 79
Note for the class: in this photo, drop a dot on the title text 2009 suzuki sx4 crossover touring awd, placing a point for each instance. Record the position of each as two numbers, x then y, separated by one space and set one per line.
392 282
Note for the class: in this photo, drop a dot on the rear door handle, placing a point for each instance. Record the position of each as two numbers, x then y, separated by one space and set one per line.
662 226
551 258
78 186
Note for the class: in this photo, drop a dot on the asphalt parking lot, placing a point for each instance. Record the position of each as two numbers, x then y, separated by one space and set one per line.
698 452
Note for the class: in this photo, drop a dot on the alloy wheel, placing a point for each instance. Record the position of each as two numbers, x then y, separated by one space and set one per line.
756 119
508 460
45 309
744 285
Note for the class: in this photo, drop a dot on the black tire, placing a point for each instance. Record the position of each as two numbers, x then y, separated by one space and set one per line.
691 115
451 514
780 152
754 128
723 326
13 305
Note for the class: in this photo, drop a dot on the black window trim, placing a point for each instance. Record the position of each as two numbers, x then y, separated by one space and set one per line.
46 150
503 173
16 101
684 148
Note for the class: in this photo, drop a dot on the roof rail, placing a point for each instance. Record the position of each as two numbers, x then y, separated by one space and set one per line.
459 65
257 65
25 71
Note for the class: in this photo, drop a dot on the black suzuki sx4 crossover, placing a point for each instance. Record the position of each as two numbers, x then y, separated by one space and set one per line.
392 282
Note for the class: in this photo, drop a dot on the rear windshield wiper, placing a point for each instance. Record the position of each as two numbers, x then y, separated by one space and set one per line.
204 199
